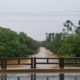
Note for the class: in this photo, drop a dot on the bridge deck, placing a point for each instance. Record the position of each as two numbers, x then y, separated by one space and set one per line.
41 71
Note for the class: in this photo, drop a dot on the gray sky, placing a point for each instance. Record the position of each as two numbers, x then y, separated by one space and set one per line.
36 17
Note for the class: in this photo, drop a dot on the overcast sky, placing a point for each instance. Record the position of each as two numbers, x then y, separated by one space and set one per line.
36 17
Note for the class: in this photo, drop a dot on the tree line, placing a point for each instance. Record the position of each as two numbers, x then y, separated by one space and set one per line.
65 43
13 44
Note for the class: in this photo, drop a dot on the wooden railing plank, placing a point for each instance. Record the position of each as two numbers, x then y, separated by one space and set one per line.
40 71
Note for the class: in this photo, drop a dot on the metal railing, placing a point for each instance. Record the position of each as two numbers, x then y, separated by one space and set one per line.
33 66
4 62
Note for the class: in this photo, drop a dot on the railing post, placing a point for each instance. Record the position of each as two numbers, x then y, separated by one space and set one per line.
34 62
18 78
61 76
32 66
18 61
61 63
3 67
47 60
32 76
3 63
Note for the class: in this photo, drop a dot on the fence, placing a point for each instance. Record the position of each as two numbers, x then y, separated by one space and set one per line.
33 66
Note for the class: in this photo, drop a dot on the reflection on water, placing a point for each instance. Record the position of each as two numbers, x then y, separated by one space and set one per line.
43 77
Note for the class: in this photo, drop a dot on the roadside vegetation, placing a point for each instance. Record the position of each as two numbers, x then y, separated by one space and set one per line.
65 43
13 44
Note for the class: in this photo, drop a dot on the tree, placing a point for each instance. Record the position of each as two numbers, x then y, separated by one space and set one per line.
78 28
66 43
13 44
69 27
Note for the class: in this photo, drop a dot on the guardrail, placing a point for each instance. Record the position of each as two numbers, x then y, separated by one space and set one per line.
33 66
33 61
4 62
61 61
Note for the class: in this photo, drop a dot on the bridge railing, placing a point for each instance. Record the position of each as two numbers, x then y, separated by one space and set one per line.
60 61
33 66
5 62
34 61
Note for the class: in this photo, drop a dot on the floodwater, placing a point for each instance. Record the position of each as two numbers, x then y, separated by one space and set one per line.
43 77
43 52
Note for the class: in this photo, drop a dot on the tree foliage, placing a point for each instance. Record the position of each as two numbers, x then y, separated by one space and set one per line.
13 44
66 43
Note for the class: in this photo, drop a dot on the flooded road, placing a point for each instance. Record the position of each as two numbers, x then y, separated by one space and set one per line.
44 53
